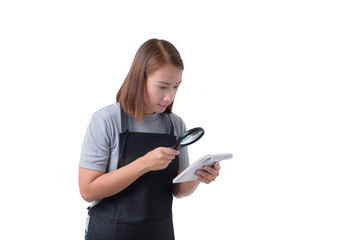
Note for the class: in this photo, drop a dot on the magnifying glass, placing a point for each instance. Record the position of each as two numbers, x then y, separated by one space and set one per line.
189 137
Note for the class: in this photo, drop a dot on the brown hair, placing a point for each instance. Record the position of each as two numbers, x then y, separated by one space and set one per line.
152 55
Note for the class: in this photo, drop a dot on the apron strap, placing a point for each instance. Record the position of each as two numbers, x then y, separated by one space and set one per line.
124 129
124 121
172 126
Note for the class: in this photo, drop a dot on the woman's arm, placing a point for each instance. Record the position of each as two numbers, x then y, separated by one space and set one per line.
97 185
185 189
207 175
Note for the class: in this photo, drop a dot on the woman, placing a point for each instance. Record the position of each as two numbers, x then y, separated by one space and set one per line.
127 166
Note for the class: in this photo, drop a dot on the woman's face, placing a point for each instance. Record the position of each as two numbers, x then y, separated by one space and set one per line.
160 88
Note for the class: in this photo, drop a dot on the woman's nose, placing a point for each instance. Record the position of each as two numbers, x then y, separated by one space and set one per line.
169 96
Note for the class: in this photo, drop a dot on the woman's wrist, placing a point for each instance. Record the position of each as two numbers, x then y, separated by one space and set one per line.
141 165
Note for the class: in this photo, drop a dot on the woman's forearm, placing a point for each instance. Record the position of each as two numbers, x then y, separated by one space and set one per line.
185 189
97 185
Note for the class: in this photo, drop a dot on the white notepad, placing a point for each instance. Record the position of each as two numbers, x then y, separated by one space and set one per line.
189 173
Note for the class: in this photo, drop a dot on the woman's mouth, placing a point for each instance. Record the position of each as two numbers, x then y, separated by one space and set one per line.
163 106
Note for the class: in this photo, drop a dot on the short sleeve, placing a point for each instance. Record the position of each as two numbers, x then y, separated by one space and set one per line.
95 150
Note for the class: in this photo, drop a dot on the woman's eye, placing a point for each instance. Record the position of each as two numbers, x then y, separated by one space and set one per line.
164 88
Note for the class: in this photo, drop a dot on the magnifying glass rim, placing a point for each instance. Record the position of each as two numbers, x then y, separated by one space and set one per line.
187 133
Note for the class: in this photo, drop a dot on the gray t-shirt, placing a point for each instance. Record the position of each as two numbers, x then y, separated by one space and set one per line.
100 150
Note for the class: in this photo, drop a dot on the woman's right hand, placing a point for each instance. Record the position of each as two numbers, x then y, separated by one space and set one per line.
159 158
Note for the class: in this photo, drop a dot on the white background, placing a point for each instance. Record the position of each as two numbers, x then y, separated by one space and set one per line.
274 82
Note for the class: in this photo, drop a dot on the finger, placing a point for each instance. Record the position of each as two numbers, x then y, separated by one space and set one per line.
171 151
211 170
169 157
165 153
217 165
203 179
163 156
204 174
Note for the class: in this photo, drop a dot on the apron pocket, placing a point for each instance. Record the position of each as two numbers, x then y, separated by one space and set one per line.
157 230
101 228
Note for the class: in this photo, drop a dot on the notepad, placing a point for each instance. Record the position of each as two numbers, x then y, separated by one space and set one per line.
189 173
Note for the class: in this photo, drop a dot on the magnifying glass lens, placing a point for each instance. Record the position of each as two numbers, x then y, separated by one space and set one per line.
191 138
188 137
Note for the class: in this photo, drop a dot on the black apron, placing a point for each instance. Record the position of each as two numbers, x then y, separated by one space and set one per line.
143 210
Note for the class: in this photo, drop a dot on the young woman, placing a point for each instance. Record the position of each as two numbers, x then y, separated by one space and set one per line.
127 166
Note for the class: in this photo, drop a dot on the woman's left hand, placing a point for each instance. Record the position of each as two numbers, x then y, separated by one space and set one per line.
209 173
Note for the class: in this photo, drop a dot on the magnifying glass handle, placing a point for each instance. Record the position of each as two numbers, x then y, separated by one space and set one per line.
176 146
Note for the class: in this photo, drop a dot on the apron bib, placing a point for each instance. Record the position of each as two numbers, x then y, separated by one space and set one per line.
143 210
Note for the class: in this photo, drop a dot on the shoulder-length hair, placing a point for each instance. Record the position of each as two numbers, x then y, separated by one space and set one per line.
151 56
